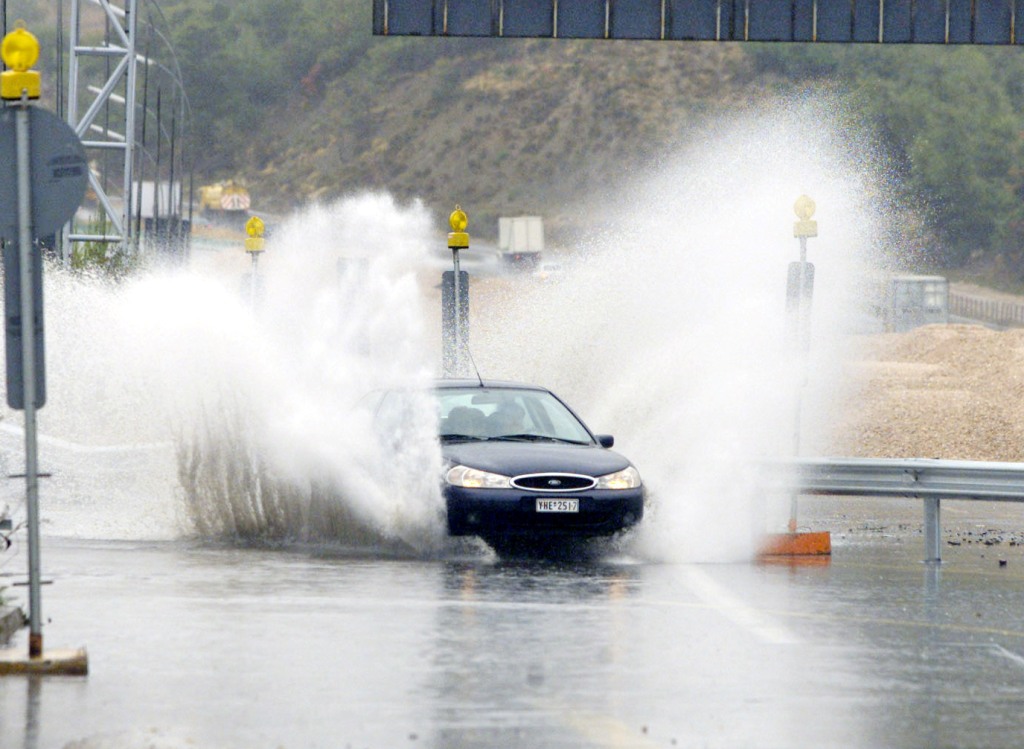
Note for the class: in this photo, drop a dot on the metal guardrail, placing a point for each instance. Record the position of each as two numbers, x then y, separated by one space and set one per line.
928 480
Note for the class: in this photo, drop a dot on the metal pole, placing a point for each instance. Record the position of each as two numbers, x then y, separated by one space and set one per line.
253 279
130 26
156 169
932 530
61 234
28 349
802 375
71 117
145 118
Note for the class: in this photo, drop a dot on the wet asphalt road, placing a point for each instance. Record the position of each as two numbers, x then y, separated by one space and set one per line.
194 645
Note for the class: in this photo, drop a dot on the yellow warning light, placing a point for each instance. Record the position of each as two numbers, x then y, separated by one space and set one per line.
804 209
458 239
458 220
19 50
254 227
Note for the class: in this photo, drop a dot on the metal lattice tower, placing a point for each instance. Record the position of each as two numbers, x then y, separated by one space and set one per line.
109 137
126 101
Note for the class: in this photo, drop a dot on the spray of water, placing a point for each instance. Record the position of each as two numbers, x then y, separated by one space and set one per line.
193 410
668 328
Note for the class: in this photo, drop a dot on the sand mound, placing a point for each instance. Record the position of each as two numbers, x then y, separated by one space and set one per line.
941 391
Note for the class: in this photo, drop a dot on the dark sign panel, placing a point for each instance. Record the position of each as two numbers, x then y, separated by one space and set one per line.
866 21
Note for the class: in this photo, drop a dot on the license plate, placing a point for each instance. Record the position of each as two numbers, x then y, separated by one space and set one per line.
558 505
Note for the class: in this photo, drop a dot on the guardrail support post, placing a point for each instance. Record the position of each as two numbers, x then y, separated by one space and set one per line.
932 531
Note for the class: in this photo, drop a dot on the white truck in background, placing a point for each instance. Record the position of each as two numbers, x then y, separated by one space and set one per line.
521 241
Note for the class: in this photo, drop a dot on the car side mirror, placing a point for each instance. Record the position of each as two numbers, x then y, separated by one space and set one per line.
605 440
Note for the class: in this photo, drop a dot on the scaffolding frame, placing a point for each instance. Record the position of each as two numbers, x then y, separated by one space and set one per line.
120 48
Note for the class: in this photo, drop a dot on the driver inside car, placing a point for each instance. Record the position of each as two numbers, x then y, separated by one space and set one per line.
507 419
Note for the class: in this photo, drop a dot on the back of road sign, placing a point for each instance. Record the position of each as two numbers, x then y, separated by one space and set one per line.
59 173
798 308
983 22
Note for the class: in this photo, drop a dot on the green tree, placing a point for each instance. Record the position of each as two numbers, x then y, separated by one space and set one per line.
947 119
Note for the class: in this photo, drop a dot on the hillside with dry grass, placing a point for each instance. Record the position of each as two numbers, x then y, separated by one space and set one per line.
526 129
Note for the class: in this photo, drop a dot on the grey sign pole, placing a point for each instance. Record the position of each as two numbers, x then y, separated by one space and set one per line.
28 349
459 333
254 280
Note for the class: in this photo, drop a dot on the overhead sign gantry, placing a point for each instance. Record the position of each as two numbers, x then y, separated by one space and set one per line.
864 21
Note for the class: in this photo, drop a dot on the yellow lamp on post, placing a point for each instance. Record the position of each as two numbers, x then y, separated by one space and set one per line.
458 239
796 544
254 227
19 50
804 209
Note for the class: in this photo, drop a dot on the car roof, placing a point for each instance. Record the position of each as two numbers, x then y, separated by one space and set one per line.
468 383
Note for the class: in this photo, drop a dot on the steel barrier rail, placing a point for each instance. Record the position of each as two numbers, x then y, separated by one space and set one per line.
928 480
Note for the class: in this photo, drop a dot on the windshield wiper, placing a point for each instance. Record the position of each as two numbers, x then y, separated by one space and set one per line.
462 438
538 438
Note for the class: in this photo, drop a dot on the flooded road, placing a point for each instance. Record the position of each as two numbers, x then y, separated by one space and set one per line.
208 646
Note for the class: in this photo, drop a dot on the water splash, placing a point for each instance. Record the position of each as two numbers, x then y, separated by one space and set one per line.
668 328
183 409
250 420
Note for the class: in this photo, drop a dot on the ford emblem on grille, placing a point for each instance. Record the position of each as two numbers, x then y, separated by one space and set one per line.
554 482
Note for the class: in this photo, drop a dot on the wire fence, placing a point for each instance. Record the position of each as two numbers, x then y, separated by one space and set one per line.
1002 313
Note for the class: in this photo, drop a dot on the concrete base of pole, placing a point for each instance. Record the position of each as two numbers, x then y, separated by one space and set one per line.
795 545
51 662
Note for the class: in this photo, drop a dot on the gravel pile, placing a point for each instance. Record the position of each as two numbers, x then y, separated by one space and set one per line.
941 391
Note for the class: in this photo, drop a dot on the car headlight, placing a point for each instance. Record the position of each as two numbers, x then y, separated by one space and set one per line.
627 478
474 478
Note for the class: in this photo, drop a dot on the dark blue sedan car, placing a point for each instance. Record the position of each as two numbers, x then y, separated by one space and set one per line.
520 465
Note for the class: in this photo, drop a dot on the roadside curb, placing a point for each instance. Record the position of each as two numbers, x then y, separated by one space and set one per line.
11 620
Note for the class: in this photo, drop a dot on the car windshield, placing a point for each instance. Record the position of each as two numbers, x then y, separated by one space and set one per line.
508 414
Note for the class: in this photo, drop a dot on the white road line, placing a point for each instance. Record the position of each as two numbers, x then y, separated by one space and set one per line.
606 731
599 729
75 447
994 648
754 621
1008 654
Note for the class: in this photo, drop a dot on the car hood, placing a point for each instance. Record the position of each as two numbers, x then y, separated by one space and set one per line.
518 458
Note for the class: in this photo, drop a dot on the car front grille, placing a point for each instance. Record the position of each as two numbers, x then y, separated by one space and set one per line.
554 482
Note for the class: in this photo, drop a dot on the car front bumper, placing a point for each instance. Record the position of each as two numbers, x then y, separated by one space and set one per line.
513 512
